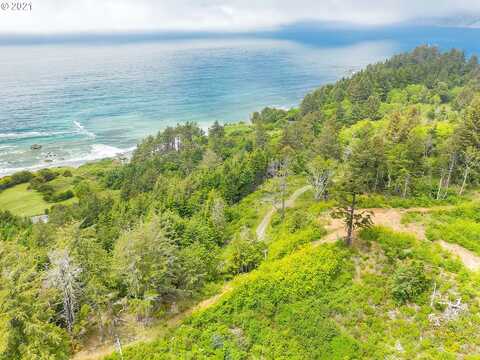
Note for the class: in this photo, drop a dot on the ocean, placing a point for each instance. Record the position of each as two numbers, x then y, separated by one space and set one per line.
85 100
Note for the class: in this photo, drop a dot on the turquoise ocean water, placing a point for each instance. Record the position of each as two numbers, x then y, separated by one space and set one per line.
84 101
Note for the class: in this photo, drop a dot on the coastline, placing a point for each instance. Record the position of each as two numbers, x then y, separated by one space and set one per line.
124 156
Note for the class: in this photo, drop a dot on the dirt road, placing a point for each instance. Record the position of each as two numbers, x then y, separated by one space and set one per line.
263 226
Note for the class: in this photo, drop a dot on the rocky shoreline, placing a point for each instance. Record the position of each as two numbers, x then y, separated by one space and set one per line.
51 160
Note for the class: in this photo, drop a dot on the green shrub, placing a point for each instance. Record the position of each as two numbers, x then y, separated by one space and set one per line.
46 189
47 174
421 200
244 254
396 245
36 182
286 244
65 195
460 225
409 282
22 177
15 179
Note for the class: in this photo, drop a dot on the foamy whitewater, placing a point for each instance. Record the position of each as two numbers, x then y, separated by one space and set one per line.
55 150
84 102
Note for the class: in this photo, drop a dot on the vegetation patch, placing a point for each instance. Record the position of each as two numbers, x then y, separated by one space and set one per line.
460 225
22 201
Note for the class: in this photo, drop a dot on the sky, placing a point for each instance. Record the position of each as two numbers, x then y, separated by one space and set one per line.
78 16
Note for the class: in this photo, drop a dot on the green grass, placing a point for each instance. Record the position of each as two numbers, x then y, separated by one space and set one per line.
460 225
382 201
62 183
301 226
22 202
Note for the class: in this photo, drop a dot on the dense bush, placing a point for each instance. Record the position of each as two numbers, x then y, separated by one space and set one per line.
409 282
11 226
244 253
47 174
16 179
62 196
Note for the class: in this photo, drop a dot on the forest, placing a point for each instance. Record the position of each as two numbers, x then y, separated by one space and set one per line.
345 228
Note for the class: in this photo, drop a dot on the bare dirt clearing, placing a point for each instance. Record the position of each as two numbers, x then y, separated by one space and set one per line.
392 218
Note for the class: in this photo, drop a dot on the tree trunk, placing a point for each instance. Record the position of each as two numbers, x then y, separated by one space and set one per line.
318 191
283 191
320 183
68 309
439 191
350 222
118 346
450 171
465 176
376 182
405 186
317 186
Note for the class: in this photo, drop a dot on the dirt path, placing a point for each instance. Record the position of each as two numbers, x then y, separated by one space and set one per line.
469 259
392 218
107 349
262 227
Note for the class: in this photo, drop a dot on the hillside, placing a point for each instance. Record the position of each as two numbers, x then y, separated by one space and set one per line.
392 295
345 228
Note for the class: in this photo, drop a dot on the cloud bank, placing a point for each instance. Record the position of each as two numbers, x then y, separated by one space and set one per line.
73 16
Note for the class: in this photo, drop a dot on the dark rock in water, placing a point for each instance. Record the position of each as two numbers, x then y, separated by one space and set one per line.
36 147
50 156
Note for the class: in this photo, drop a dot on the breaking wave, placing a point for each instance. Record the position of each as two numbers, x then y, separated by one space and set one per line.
97 152
82 130
29 135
